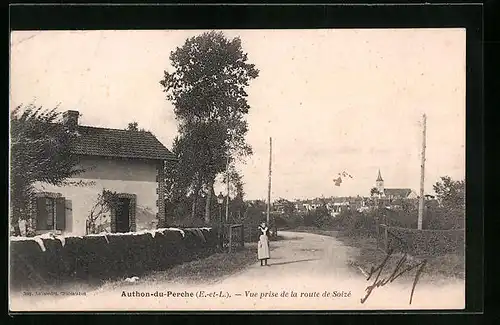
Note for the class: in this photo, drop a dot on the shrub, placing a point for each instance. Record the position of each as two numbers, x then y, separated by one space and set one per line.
289 221
405 218
198 243
320 218
100 257
52 259
427 242
24 257
190 222
365 222
96 259
72 255
251 219
443 218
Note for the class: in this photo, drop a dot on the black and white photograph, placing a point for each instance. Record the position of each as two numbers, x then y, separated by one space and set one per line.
237 169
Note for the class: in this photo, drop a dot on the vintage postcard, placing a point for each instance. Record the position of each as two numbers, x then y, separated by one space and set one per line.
237 170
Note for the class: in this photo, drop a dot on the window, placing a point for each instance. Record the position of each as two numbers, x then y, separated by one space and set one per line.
50 212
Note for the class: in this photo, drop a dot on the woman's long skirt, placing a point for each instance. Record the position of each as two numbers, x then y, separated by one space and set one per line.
263 248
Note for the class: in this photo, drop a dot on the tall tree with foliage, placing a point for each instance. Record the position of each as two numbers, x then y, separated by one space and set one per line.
134 126
237 203
374 191
207 89
41 151
451 197
450 193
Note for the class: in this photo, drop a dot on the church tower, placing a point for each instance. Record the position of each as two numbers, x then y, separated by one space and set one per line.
380 183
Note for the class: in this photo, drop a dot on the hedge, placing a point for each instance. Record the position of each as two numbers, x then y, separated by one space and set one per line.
48 259
425 242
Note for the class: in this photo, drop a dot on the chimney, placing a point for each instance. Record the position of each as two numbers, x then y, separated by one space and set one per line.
70 119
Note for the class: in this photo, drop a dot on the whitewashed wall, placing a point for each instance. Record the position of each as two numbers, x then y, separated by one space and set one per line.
134 177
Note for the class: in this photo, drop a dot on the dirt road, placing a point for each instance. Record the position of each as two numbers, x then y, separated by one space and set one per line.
306 272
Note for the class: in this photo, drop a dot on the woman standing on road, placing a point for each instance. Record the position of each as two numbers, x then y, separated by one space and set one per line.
263 245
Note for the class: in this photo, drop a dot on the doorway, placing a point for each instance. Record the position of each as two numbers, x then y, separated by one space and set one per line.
123 215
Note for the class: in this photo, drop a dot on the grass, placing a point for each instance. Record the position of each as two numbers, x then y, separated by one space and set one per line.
368 255
206 270
209 269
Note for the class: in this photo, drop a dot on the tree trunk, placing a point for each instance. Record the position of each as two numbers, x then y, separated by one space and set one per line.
208 202
193 207
16 213
195 197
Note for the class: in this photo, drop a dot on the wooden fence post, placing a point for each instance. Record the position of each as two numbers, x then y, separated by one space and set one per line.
242 236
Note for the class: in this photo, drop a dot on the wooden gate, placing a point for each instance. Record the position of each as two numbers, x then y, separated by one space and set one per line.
233 237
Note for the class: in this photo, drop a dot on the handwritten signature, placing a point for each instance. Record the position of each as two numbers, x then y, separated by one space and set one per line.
397 272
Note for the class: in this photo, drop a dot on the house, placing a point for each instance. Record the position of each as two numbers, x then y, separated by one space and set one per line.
399 193
339 207
358 203
300 207
312 206
393 193
279 206
128 163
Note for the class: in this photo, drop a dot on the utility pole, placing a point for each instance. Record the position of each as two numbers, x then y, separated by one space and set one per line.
269 185
422 176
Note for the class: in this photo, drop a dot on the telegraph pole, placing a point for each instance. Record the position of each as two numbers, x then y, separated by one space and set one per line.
269 185
422 176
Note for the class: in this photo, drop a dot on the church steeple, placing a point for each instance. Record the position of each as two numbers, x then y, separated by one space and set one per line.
380 183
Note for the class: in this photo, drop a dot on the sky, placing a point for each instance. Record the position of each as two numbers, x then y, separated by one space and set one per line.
332 100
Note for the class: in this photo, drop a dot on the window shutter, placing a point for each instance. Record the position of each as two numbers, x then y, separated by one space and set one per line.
41 213
69 215
60 213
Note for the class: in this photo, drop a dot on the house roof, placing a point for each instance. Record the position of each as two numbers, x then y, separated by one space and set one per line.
401 192
106 142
